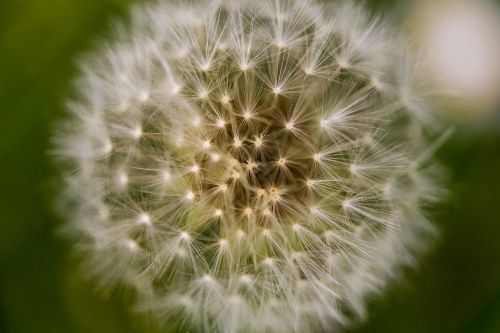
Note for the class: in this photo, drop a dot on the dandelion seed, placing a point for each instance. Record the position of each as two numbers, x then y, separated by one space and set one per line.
143 96
250 166
132 245
245 279
203 94
268 262
235 175
194 168
225 99
266 212
237 142
258 142
175 89
309 71
166 176
277 90
144 219
196 122
122 179
215 157
205 67
136 132
184 236
220 123
317 157
247 115
248 211
190 196
206 144
207 278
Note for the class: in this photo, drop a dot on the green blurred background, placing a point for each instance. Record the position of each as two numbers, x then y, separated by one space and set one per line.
456 289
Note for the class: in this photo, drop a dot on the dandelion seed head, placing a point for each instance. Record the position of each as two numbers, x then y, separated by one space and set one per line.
252 161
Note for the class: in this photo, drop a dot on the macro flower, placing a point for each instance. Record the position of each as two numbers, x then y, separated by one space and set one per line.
248 166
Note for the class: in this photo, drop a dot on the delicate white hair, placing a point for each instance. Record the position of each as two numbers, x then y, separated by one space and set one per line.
248 166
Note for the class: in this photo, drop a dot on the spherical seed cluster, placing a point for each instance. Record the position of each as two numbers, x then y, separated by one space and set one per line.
248 166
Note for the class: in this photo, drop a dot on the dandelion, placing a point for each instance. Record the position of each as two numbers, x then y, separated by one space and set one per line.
248 166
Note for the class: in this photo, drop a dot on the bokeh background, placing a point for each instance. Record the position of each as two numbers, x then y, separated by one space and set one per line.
455 289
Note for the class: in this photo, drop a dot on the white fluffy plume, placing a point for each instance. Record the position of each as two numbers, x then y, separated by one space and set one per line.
248 166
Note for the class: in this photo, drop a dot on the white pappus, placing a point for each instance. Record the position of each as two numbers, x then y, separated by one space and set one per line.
248 166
